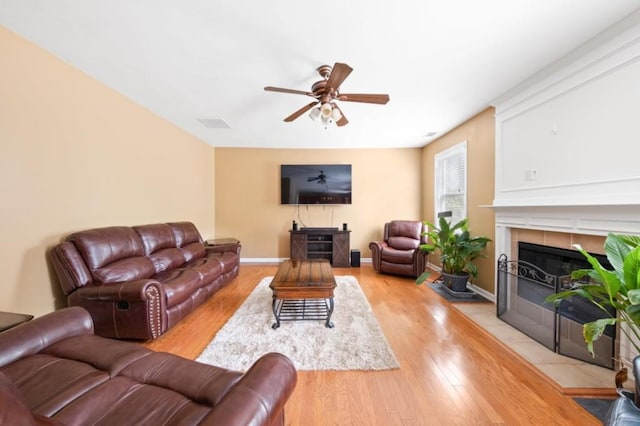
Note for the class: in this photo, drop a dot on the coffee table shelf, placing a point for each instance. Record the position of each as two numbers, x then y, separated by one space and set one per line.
303 310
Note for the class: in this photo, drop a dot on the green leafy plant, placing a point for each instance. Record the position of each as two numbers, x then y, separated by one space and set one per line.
456 246
618 288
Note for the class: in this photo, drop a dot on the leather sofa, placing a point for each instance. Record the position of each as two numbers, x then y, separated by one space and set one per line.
54 370
398 253
138 282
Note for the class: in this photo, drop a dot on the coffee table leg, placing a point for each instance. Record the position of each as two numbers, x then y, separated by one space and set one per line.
274 306
329 324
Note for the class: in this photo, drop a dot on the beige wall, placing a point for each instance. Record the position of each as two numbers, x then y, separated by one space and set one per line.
386 186
479 132
75 154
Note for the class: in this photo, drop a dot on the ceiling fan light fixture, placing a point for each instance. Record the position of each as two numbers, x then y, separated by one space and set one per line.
335 114
315 114
326 110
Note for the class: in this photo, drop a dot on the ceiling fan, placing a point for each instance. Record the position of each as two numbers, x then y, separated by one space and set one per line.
321 178
326 92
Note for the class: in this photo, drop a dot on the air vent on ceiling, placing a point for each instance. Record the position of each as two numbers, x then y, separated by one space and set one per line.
214 123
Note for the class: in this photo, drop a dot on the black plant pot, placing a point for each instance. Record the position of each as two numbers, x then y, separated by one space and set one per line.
457 283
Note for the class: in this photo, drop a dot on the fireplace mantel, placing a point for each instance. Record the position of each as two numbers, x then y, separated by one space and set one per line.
585 220
577 219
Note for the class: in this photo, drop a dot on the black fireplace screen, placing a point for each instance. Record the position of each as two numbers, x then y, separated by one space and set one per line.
523 286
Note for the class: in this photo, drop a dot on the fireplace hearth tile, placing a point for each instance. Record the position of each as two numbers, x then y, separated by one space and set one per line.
506 333
536 353
566 372
579 376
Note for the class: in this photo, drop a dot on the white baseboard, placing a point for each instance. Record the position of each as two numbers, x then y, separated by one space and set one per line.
263 260
275 260
482 292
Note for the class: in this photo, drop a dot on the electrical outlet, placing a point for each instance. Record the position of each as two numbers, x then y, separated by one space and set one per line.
531 174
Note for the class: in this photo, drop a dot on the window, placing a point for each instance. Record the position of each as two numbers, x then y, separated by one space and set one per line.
451 182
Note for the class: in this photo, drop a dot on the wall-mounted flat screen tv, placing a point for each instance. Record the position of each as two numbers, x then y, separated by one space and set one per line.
315 183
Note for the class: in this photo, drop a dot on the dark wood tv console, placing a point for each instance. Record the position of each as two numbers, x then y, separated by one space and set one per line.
321 243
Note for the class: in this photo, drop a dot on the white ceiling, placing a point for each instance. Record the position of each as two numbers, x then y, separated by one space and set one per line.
441 61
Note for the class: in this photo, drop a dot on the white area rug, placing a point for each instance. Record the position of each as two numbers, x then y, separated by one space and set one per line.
355 343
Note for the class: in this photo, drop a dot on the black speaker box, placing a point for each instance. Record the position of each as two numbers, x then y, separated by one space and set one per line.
355 258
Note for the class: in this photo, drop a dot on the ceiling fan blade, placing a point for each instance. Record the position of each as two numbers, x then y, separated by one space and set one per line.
292 91
343 120
361 97
338 74
301 111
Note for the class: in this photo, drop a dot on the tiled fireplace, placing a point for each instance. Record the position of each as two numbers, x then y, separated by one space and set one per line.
562 227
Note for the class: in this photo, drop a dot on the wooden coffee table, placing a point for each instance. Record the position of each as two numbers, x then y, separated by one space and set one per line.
303 290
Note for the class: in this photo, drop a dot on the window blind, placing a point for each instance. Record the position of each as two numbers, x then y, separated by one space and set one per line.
451 182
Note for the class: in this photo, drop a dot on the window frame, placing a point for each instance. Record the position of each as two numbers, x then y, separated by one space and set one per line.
460 149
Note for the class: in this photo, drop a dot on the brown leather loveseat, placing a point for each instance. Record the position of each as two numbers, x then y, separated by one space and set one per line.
54 370
138 282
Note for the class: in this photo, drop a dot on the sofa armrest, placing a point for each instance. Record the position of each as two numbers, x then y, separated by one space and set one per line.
33 336
421 261
132 291
125 310
258 398
376 253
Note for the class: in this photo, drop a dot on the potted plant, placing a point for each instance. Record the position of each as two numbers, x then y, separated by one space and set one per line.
618 289
457 250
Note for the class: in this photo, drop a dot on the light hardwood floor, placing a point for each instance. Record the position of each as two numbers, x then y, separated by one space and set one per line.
451 373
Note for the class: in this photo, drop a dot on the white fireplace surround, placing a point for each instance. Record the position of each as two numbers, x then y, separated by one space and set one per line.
567 145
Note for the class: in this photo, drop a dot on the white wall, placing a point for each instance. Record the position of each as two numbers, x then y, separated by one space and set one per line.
571 137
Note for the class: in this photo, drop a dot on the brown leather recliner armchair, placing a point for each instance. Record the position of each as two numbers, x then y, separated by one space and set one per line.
399 252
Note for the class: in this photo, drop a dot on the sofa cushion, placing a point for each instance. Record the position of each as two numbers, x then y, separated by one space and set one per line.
49 383
389 254
168 258
403 243
123 401
13 410
130 269
102 246
193 251
156 237
179 284
228 260
185 233
188 239
209 269
405 228
125 398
